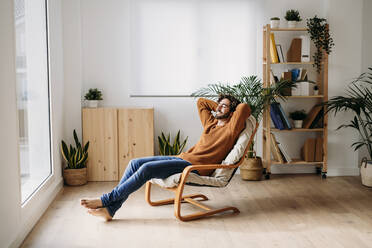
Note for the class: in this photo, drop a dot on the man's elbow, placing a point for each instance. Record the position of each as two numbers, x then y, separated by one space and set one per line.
245 109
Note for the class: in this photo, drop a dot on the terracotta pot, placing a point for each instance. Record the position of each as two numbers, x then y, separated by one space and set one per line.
75 177
251 169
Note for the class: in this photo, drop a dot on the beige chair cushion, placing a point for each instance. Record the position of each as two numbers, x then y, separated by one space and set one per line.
220 177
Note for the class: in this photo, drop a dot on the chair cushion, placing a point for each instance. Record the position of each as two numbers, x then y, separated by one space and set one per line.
220 177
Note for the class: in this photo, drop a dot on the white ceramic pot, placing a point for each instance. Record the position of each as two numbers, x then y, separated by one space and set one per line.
366 172
298 123
316 92
274 23
292 24
92 103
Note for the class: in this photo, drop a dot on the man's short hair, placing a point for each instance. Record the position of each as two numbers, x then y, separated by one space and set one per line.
233 101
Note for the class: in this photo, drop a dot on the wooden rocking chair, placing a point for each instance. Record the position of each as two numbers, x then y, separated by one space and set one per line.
178 190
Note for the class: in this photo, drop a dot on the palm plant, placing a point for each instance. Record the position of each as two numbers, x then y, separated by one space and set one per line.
358 100
251 91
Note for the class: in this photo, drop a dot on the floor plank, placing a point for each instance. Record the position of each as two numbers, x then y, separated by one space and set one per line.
285 211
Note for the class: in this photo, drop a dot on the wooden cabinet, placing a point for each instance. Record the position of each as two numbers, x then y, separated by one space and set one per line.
321 81
116 136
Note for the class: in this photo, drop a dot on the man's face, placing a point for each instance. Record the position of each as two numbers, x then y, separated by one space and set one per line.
223 109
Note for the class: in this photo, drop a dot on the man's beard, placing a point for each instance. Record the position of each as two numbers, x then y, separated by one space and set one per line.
220 117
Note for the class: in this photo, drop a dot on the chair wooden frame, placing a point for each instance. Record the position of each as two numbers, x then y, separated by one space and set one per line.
178 190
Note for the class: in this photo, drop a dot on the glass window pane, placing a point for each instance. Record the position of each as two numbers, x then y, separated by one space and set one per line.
32 94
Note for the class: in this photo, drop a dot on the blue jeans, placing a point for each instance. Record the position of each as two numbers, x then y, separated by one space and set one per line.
137 173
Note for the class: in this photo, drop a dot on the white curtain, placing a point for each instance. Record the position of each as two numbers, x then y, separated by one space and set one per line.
178 46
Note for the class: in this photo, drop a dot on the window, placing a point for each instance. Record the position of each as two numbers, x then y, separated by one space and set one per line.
32 94
179 46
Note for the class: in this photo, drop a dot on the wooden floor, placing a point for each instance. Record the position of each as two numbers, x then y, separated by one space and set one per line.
285 211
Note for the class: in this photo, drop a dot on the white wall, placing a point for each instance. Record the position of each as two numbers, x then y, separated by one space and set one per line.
17 221
105 63
367 50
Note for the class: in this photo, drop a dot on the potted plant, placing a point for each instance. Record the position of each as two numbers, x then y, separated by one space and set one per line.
358 100
165 146
274 22
298 117
292 16
75 172
251 91
92 97
316 90
319 34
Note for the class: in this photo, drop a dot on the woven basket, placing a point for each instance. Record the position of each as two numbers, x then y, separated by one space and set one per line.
75 177
251 169
366 172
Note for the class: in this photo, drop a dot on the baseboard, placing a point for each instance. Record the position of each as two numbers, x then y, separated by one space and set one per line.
27 225
303 169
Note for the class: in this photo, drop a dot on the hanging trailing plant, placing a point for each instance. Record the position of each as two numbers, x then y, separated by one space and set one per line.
319 34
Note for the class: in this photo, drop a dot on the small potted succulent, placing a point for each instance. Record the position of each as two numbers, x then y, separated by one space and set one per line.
292 16
298 116
316 90
93 97
274 22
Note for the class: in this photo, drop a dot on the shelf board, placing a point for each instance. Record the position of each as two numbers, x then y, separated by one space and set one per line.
297 161
302 97
288 29
298 130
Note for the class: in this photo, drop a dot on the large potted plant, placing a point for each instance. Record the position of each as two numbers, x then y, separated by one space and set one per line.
93 97
166 148
75 171
251 91
358 100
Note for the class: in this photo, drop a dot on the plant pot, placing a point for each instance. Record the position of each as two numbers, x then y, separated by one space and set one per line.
251 169
316 92
366 172
297 123
92 103
75 177
274 23
292 24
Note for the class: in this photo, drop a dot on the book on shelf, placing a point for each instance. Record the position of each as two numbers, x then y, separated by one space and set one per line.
294 51
273 52
280 53
275 149
311 116
287 76
287 158
319 149
308 150
305 48
275 117
284 117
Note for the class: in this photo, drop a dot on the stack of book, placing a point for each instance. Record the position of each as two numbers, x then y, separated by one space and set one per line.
278 151
279 117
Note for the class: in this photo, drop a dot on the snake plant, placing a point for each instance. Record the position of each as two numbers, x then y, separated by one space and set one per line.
75 157
165 146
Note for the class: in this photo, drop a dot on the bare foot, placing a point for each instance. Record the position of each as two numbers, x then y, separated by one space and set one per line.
100 212
91 203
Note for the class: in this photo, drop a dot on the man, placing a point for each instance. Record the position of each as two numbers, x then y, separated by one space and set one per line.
218 138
